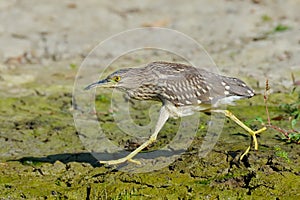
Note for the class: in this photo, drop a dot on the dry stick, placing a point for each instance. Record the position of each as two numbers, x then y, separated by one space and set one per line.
266 101
284 132
266 95
293 78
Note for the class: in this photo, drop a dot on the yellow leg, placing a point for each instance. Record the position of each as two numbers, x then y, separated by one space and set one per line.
241 124
163 117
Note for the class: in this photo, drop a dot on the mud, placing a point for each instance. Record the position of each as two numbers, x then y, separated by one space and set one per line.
42 156
41 48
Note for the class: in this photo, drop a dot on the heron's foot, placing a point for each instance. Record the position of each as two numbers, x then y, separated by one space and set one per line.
132 154
120 161
163 117
254 139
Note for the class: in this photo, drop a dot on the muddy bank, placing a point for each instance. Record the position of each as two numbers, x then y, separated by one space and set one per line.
42 157
42 45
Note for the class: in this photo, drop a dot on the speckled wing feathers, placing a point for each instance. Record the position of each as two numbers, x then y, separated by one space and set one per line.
185 85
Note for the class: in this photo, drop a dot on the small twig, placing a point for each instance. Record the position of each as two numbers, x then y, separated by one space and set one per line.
293 78
266 100
286 133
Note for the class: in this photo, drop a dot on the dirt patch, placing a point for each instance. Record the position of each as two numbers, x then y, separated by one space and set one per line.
44 158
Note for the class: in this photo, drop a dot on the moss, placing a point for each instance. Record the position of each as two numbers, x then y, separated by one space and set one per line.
44 133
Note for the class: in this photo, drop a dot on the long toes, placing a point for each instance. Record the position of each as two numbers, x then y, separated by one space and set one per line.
119 161
260 130
245 153
134 161
113 162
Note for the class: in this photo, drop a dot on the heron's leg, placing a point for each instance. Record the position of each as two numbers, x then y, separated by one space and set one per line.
244 126
163 117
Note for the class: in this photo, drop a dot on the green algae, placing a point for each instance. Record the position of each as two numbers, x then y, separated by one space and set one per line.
48 161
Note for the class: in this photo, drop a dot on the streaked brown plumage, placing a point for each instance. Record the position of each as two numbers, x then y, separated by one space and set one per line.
182 89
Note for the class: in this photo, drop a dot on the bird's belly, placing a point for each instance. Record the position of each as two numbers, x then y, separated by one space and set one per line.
227 100
182 111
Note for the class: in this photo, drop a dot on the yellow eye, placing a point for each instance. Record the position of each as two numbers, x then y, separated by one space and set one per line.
116 78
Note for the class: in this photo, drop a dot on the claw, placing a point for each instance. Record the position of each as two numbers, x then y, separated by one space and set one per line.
163 117
135 161
119 161
245 153
241 124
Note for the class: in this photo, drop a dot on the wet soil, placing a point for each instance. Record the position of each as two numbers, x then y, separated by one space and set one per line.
42 156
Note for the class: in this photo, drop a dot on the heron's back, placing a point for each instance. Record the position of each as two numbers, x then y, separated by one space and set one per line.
184 85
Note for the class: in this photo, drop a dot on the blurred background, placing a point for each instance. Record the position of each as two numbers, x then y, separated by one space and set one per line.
252 37
42 45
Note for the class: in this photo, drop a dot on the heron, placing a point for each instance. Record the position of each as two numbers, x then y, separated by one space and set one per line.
183 90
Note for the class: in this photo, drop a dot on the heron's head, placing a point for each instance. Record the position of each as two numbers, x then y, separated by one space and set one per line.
121 79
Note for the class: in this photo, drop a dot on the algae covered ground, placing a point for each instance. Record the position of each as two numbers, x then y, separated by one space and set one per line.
42 44
42 156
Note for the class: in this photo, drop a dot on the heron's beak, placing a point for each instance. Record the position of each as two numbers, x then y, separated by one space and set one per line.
102 83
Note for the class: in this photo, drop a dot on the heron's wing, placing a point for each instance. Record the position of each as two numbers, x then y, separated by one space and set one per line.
185 85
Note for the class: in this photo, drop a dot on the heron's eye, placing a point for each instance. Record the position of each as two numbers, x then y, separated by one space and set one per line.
116 78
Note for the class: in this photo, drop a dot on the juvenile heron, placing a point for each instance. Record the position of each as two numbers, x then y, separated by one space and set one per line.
183 90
